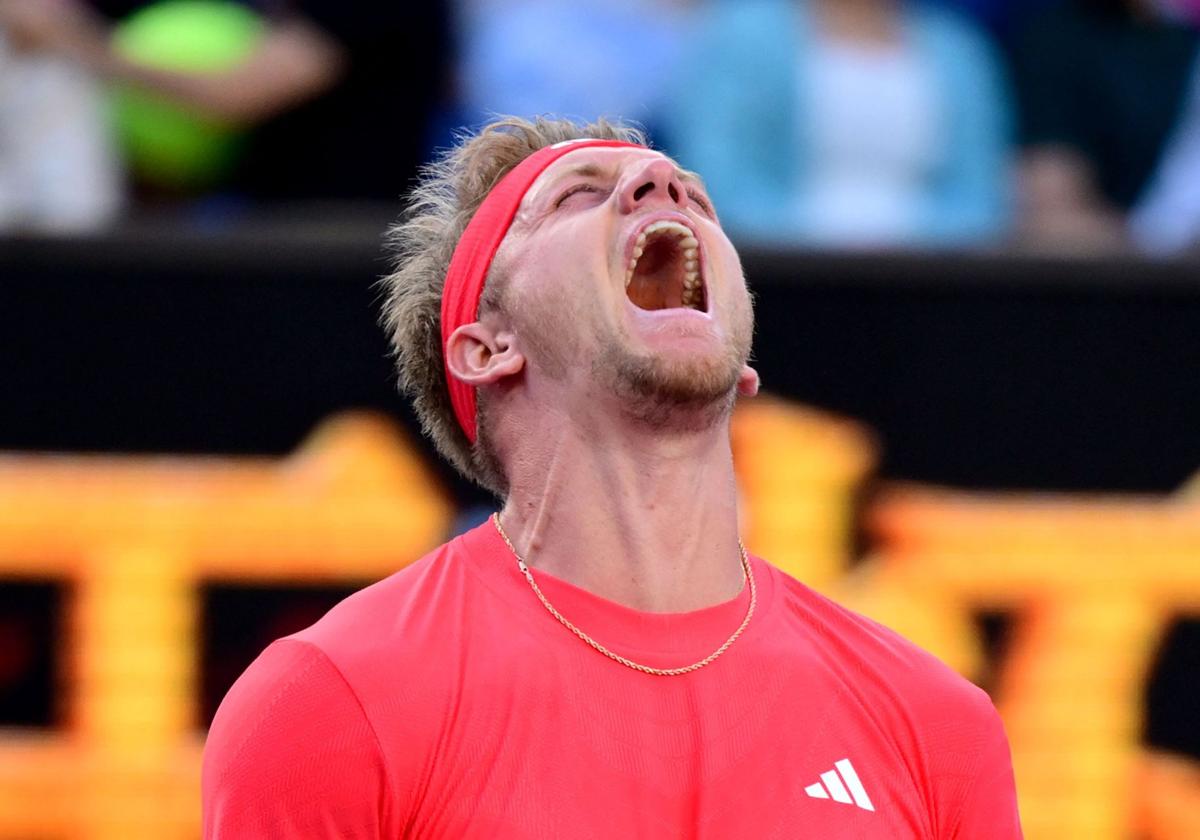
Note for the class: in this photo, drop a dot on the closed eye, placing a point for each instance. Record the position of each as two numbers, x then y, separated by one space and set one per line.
696 196
576 189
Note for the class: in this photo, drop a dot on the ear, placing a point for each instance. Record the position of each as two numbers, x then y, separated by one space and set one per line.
747 382
478 355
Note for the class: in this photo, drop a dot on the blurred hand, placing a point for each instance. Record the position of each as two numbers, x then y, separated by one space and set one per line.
1061 207
65 27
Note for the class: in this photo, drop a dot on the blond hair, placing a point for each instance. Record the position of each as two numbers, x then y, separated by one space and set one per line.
421 244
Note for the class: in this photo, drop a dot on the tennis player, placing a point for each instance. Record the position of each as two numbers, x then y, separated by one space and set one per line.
603 659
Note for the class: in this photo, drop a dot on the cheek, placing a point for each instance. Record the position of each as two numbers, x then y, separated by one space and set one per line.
734 279
735 296
560 279
550 300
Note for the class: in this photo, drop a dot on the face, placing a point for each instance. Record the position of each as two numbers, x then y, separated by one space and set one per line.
620 283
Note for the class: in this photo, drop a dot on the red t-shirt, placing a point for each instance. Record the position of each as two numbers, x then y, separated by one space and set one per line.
446 702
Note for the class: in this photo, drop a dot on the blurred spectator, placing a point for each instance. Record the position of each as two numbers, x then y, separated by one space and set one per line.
1167 218
58 171
339 91
846 123
1104 89
1000 16
572 58
1185 11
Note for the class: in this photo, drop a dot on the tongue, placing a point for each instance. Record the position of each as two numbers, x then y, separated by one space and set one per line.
658 279
648 292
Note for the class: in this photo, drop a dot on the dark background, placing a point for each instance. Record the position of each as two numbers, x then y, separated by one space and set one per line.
985 371
982 371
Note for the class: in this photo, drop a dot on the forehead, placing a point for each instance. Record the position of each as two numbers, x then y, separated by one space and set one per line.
597 162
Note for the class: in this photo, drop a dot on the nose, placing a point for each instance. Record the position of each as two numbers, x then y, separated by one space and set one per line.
655 182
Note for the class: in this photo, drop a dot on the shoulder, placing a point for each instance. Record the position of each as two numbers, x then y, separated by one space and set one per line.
946 729
743 58
742 22
391 633
946 23
952 35
875 660
306 732
971 74
377 611
291 754
335 661
287 676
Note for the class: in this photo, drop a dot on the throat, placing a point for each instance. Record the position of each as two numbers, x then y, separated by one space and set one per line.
652 531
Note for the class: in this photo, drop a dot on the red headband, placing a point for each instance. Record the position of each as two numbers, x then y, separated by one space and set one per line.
477 248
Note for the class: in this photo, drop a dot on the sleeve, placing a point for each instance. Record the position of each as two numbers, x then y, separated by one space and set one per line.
987 809
291 754
970 198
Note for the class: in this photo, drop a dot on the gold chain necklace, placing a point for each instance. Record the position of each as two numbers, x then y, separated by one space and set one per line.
645 669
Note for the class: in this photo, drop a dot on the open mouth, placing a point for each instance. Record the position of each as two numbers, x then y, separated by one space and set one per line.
664 270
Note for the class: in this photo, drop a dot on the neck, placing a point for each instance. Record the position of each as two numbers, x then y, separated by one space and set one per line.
641 517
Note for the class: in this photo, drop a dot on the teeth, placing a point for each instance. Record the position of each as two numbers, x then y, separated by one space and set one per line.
666 224
688 243
691 289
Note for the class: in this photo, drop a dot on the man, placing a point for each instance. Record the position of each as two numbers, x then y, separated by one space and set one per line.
602 659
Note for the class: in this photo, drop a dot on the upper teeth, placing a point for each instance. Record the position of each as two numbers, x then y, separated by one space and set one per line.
689 244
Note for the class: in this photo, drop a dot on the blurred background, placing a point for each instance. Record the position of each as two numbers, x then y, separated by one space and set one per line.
973 227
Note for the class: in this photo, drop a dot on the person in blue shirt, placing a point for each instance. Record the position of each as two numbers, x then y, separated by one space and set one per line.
846 123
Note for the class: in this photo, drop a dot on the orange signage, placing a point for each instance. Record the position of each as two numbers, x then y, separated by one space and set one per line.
1090 583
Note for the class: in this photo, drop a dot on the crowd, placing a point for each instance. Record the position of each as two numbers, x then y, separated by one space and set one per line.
1061 124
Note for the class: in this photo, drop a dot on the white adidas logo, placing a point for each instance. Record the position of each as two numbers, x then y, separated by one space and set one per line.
833 787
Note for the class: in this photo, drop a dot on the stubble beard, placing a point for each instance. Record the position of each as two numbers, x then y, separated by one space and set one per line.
664 394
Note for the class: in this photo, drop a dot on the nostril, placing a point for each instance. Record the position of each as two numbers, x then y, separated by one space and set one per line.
641 191
673 192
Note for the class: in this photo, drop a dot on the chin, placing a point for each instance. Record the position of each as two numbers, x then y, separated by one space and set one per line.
684 392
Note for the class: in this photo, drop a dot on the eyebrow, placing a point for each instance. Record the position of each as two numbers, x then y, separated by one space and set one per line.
582 170
689 175
592 170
